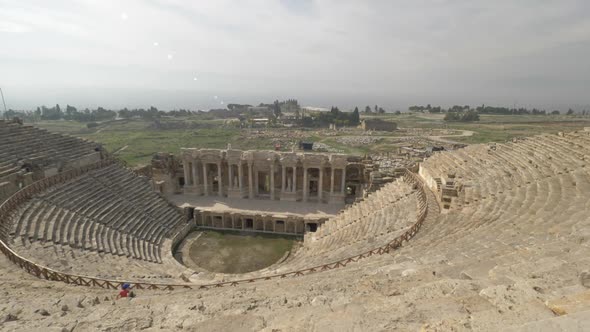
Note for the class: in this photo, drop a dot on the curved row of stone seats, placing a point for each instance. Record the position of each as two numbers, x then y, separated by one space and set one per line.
363 226
500 166
368 224
106 215
534 231
28 154
512 256
98 264
18 142
40 221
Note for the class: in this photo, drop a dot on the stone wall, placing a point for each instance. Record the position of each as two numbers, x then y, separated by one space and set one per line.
378 125
256 222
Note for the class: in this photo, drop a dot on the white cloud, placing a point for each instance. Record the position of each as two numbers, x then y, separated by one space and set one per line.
385 49
13 27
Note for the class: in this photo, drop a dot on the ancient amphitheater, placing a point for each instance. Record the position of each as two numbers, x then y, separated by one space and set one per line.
488 238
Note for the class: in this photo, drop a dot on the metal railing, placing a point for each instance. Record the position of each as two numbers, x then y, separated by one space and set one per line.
10 205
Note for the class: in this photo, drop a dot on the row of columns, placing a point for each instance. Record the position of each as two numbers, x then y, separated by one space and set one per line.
321 182
191 176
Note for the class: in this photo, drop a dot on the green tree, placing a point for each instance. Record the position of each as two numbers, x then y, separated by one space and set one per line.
468 116
356 118
368 109
570 112
276 108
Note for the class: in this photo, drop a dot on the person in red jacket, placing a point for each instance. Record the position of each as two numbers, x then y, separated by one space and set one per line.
125 291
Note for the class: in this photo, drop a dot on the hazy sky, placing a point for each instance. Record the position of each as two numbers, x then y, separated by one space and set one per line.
200 54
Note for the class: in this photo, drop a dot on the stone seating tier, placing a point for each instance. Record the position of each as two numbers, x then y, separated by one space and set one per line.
108 212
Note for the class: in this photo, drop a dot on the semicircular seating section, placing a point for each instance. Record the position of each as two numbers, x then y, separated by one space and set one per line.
482 171
519 227
368 224
22 147
106 223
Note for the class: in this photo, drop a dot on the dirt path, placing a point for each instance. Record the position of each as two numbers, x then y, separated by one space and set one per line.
439 138
444 139
121 149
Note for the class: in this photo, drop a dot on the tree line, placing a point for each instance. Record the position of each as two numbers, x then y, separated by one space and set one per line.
484 109
92 115
335 116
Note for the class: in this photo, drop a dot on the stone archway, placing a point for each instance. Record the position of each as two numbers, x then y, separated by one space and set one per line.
290 227
227 222
238 223
268 226
280 226
258 225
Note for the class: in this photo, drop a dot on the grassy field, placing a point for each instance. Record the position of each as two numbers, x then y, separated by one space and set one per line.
495 128
233 252
135 141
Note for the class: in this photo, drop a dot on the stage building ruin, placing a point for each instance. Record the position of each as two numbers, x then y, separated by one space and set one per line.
312 178
274 175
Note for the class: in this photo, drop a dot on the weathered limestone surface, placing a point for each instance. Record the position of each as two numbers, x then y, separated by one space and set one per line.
510 253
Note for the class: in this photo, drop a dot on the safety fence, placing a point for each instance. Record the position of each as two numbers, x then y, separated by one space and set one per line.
12 204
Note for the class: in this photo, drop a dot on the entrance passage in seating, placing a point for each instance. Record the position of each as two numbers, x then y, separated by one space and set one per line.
237 252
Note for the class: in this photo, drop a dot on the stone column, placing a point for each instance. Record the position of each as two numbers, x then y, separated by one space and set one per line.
187 176
294 184
283 179
331 181
272 181
205 180
305 184
240 178
230 180
342 188
195 171
321 184
220 180
255 174
250 182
